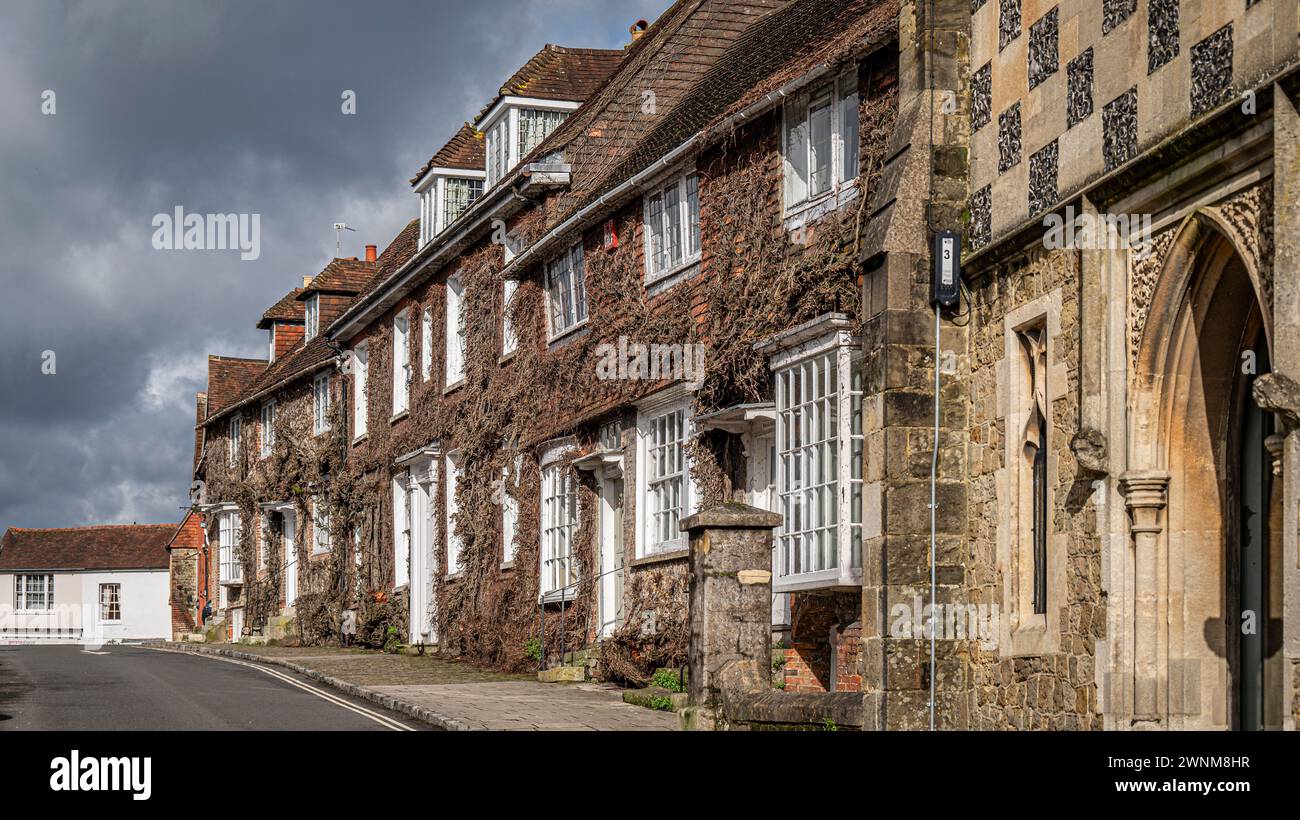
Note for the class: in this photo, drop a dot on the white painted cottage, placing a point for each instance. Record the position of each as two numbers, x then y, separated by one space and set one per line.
88 585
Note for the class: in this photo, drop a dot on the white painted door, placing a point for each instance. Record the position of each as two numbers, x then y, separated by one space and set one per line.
611 555
290 560
422 603
236 624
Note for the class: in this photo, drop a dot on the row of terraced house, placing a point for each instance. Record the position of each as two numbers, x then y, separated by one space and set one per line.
698 269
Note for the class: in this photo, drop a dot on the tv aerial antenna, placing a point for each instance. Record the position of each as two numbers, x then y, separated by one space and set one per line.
339 228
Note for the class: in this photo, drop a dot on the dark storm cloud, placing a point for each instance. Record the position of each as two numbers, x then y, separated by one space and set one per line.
218 108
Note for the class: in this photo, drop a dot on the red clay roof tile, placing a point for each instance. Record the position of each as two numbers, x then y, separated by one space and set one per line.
102 547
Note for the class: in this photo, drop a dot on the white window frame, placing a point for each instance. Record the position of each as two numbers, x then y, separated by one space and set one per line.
360 390
401 363
113 599
403 529
819 543
24 591
456 351
501 127
270 350
320 401
320 527
840 96
311 312
559 524
658 263
509 336
569 304
234 436
267 428
654 416
509 521
455 471
434 190
426 343
230 570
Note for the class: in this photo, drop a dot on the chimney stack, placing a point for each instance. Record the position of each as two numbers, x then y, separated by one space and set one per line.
638 29
371 252
306 281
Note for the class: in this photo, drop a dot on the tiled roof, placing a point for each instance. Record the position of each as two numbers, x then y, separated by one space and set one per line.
464 150
398 253
188 534
777 48
285 310
560 73
120 546
229 379
347 276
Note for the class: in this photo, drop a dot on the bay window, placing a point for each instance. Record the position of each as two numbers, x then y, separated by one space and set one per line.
33 593
820 142
672 220
818 383
566 291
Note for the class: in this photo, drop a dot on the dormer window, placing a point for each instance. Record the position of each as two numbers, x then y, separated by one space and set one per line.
514 127
444 197
313 315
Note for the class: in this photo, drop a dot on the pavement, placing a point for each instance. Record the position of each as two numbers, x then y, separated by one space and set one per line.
122 687
452 695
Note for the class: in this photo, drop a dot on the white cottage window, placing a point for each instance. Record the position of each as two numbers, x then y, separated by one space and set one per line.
33 593
360 388
312 312
672 219
320 527
559 524
401 362
455 324
665 491
230 567
234 441
320 400
566 291
110 602
820 142
453 507
268 428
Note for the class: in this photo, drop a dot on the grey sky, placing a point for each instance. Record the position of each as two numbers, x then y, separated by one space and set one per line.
219 107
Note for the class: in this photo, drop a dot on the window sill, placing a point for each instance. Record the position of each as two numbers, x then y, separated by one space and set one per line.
660 557
361 439
848 578
507 565
118 622
567 332
453 577
557 596
657 283
318 553
231 582
506 357
813 209
319 433
396 417
454 386
1030 640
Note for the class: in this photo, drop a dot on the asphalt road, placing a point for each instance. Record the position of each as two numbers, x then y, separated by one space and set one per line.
117 687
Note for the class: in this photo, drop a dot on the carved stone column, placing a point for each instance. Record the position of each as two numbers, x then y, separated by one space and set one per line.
1145 495
1276 444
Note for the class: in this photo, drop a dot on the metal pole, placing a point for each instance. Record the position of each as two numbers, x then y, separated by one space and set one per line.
934 472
